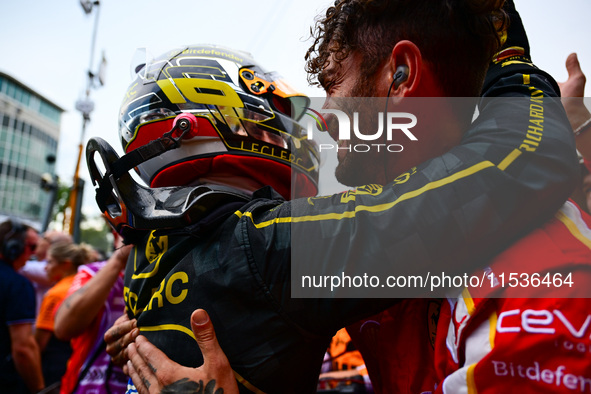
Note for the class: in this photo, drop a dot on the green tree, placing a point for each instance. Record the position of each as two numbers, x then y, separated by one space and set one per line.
97 233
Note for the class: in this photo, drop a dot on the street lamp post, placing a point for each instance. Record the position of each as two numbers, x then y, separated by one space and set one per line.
49 183
85 106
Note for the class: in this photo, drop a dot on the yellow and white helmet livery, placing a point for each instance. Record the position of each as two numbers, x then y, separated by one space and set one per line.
247 121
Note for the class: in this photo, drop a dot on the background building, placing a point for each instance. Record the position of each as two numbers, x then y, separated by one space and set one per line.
29 133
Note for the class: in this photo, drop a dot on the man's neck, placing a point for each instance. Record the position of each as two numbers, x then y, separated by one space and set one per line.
438 129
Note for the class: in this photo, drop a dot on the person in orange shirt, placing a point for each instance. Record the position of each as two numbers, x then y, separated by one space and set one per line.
62 265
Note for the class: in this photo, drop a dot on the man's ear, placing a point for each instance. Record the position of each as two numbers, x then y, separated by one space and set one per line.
406 65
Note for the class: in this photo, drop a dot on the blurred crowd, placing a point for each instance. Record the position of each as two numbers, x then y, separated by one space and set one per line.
51 352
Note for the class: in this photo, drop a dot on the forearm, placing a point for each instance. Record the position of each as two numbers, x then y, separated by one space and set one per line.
80 308
27 360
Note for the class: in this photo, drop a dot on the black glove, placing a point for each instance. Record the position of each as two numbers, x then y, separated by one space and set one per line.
514 56
515 38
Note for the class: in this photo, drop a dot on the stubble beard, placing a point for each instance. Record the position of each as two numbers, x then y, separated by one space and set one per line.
361 168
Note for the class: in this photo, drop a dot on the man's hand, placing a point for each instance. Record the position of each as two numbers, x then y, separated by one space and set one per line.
575 85
118 337
153 372
573 91
120 255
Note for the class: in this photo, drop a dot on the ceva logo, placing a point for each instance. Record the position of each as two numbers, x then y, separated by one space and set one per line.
393 123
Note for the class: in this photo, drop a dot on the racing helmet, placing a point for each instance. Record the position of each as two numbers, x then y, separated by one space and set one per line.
247 122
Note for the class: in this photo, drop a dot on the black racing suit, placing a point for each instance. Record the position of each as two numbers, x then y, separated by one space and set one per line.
455 211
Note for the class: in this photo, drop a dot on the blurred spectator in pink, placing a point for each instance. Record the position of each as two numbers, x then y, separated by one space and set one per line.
34 269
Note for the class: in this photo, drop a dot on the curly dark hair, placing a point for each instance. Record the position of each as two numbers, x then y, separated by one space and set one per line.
457 37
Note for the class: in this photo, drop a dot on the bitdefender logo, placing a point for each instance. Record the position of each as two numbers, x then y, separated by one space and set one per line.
395 122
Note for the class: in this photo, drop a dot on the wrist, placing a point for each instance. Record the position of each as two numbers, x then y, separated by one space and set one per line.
114 265
586 125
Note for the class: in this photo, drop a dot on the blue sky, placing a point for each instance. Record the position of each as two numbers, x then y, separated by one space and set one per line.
46 45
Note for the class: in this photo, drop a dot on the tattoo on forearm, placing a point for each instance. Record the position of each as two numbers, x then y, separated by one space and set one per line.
75 295
186 386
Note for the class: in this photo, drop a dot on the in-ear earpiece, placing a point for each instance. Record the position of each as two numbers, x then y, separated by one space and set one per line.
400 76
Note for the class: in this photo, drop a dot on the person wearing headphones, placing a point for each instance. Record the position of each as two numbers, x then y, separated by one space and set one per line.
20 359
